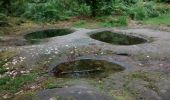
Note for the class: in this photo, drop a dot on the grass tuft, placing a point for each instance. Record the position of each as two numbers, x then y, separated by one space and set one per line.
12 85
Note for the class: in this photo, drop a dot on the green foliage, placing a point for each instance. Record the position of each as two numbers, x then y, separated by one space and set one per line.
98 7
121 21
5 6
161 20
80 23
46 10
41 12
137 13
3 17
84 10
54 10
3 20
137 9
9 84
167 1
2 69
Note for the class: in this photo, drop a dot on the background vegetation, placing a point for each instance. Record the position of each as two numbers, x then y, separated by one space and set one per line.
56 10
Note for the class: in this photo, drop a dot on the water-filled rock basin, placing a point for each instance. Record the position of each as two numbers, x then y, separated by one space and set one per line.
88 68
117 38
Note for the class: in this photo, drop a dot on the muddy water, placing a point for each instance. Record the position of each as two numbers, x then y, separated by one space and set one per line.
116 38
36 36
87 68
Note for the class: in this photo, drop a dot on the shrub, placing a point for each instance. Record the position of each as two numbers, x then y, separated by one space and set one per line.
137 13
138 9
54 10
46 10
3 17
40 12
97 5
121 21
3 20
9 84
84 10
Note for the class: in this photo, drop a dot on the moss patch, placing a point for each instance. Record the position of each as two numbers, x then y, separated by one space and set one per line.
12 85
147 78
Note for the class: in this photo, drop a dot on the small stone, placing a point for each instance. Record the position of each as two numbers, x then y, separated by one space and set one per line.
66 86
6 64
15 73
79 92
6 96
102 53
55 48
72 52
160 64
140 64
56 52
22 72
100 81
53 98
27 71
19 92
7 68
90 92
33 87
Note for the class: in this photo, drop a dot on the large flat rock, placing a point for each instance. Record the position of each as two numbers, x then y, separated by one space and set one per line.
76 92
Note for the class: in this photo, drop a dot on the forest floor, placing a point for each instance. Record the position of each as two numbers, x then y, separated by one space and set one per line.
24 68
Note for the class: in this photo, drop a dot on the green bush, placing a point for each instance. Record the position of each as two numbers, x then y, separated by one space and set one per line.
121 21
3 17
84 10
54 10
137 13
164 1
9 84
98 7
46 10
41 12
137 9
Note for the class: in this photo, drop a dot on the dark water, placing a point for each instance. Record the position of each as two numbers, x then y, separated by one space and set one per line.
118 39
47 33
87 68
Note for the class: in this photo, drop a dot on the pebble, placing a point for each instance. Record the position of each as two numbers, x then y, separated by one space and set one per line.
6 96
148 56
33 87
140 64
161 64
